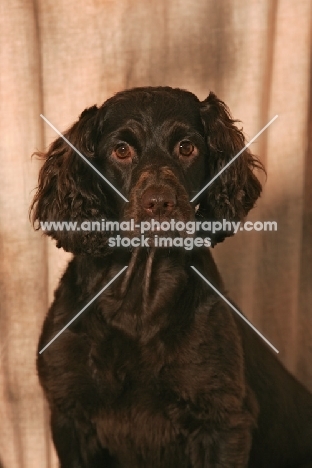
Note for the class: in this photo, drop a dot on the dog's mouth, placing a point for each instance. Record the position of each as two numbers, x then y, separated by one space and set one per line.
159 206
178 223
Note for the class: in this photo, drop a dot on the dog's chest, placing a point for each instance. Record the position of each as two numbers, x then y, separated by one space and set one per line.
140 433
127 374
134 421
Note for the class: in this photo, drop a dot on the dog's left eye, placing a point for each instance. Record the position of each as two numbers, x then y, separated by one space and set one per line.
123 151
186 148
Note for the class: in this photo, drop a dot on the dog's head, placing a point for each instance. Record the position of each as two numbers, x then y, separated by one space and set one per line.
158 147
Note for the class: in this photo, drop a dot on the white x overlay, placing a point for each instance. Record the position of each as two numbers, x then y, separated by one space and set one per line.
83 157
234 308
194 198
233 159
84 308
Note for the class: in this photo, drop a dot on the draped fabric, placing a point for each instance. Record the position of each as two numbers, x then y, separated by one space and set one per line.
58 57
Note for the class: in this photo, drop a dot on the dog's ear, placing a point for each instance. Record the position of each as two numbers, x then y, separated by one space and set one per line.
235 191
69 190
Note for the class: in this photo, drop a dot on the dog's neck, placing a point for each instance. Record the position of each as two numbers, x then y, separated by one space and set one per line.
157 290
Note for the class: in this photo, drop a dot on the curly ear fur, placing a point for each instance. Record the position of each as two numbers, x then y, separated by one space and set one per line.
70 190
236 190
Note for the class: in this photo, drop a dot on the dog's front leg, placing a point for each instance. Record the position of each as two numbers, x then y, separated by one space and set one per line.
220 449
76 444
219 441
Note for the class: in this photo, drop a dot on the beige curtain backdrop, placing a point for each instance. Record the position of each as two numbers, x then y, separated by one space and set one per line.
58 57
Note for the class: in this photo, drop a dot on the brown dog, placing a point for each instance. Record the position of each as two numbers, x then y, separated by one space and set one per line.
158 372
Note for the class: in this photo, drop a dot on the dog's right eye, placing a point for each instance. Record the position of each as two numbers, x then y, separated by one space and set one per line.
186 148
123 151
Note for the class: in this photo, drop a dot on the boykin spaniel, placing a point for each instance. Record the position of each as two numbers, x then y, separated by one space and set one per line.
158 371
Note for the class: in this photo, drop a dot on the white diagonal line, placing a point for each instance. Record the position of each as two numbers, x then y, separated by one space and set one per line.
235 310
83 157
235 157
83 309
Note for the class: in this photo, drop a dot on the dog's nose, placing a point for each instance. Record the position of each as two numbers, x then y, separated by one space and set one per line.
158 201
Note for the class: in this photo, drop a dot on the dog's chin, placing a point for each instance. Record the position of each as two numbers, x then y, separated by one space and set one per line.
160 225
